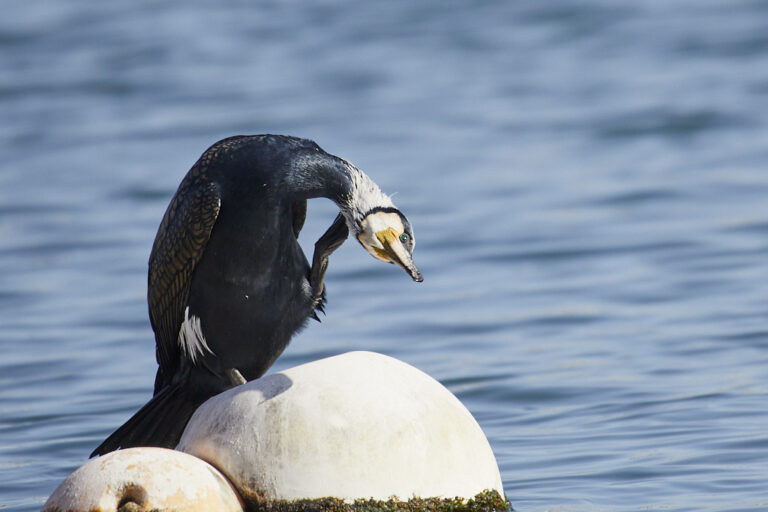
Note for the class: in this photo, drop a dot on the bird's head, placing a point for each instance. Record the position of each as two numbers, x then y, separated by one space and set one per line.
387 235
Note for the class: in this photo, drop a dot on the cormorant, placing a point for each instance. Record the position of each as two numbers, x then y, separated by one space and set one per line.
228 282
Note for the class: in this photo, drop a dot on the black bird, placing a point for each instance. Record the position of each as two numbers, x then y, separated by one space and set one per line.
228 282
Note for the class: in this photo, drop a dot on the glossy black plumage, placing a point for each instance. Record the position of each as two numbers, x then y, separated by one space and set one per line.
227 254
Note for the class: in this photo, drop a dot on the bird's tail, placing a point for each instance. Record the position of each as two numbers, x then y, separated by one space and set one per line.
159 423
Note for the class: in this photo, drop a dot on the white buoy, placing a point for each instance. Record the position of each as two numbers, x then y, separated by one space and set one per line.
358 425
150 478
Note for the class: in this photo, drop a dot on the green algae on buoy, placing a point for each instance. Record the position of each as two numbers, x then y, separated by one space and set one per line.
487 501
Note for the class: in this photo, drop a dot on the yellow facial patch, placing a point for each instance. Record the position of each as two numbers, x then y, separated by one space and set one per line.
386 237
379 234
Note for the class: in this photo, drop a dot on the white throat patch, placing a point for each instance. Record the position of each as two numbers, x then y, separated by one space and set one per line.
374 223
191 339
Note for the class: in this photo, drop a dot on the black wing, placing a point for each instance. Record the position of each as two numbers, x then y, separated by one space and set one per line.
178 247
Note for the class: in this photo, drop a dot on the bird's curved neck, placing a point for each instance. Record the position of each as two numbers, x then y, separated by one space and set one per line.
323 175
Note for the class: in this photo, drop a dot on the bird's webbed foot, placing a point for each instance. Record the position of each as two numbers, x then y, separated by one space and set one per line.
331 240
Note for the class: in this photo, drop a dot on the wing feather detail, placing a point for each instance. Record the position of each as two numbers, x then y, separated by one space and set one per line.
179 245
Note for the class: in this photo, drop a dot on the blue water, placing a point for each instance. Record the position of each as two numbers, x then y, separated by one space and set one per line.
588 184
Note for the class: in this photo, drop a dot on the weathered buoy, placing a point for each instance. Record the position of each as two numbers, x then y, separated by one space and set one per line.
145 479
355 426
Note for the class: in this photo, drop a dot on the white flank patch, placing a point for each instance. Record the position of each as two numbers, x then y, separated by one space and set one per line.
191 339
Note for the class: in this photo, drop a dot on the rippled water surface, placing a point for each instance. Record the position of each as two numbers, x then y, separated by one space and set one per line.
588 183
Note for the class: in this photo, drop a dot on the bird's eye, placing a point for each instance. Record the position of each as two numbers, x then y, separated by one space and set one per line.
404 238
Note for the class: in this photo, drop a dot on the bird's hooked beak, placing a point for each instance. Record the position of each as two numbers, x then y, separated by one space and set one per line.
394 251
